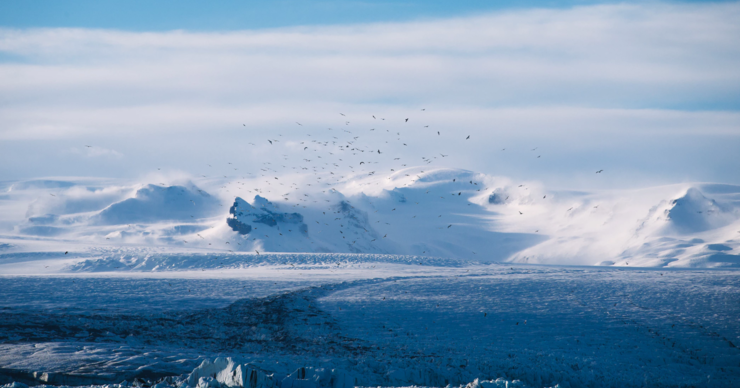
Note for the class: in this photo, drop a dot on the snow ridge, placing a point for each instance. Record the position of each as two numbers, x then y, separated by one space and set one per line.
137 261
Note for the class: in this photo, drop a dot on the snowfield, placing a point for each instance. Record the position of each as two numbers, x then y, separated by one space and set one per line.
375 324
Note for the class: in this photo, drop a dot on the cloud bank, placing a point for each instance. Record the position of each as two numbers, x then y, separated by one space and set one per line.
624 74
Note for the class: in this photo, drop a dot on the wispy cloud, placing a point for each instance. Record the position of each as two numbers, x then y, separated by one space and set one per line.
95 152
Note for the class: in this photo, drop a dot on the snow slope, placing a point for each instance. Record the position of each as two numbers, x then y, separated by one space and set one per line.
679 225
153 203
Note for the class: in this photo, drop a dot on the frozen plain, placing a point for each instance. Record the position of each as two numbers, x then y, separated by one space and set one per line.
378 324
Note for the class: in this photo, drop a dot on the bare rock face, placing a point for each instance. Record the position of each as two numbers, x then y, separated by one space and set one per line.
498 197
244 215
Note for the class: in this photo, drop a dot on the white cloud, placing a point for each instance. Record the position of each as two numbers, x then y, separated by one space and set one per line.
604 56
95 152
568 77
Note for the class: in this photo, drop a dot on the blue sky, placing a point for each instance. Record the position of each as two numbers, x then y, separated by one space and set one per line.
143 15
649 91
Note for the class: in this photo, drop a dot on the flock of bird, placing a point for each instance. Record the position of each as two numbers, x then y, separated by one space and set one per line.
308 164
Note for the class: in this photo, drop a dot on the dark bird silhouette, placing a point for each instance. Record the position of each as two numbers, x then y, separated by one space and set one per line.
65 252
467 137
599 172
270 141
407 120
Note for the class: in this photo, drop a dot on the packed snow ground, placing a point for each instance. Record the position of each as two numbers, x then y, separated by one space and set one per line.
377 324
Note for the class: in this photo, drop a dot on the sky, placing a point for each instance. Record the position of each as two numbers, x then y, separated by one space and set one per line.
647 91
229 15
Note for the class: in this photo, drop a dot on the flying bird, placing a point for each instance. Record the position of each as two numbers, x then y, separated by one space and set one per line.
467 137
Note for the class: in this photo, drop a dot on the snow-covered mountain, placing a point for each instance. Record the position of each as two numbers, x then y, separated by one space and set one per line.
431 212
677 225
153 203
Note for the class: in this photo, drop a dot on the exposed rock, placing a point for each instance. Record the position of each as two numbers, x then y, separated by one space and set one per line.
244 215
498 197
